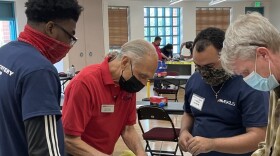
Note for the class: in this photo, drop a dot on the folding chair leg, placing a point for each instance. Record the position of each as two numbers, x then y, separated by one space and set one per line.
148 148
176 99
181 152
177 147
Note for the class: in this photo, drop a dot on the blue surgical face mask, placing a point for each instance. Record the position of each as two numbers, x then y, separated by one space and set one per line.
259 83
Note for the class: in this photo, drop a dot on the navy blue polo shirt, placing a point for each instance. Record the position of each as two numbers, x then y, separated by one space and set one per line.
29 87
237 107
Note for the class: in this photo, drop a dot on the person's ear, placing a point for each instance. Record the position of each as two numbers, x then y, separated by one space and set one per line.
125 61
49 29
263 52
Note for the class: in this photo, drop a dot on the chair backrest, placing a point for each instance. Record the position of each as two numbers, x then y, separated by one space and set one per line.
175 82
154 113
172 73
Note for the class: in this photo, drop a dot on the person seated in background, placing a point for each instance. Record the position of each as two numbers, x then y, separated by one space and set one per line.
167 50
156 44
100 102
223 115
188 45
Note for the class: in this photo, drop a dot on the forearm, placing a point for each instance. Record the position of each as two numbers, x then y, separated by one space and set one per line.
132 140
165 57
244 143
181 47
77 147
186 122
41 134
188 57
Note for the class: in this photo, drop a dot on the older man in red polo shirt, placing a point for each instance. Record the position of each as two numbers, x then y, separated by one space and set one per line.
100 102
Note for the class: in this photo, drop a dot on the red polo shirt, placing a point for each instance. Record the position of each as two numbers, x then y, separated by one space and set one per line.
87 97
158 51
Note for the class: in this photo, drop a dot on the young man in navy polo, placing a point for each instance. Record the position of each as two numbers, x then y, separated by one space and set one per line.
30 117
223 115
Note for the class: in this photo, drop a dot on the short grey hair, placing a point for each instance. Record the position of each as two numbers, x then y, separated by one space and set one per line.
246 34
137 50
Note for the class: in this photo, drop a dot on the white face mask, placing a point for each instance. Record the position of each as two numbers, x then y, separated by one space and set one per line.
259 83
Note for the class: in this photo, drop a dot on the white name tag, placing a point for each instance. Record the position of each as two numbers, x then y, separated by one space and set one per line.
197 102
107 108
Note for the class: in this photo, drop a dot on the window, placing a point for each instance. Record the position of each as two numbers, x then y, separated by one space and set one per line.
163 22
118 27
212 17
7 23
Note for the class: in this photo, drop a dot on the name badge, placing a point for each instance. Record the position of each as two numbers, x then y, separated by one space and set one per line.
107 108
197 102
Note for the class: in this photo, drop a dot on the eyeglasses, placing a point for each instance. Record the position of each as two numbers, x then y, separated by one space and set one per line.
248 44
73 38
254 44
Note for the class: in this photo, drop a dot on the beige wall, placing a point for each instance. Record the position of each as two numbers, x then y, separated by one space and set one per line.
188 14
136 15
20 14
274 13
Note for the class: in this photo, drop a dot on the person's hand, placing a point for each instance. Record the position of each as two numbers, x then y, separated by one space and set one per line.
141 154
197 145
185 136
101 154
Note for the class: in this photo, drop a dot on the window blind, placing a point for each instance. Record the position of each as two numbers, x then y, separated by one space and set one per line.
118 26
212 17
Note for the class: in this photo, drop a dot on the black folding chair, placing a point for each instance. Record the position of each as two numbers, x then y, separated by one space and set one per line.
169 134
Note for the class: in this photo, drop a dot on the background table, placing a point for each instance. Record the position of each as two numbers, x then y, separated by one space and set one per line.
179 77
63 81
182 67
172 108
176 80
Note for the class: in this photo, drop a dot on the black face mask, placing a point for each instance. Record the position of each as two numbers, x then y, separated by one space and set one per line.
131 85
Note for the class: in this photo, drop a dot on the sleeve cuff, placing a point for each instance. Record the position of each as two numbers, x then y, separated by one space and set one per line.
71 132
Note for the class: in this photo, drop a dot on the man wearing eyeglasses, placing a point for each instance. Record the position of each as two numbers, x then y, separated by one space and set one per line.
252 49
223 115
29 84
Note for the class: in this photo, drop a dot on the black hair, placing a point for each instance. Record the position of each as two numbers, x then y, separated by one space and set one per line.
189 44
157 38
209 36
168 46
49 10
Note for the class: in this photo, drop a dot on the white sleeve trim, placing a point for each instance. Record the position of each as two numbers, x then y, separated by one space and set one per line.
51 135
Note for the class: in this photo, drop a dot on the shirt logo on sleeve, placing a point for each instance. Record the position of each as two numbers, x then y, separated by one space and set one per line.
3 69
